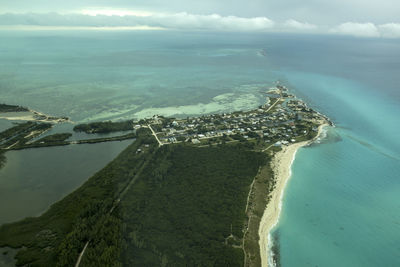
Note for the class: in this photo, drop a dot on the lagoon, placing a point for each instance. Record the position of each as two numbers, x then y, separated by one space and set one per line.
33 179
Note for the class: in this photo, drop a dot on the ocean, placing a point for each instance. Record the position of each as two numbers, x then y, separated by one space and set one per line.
342 204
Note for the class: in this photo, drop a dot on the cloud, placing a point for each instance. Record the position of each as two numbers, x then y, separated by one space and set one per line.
296 25
180 21
121 19
114 12
357 29
82 28
390 30
320 12
188 21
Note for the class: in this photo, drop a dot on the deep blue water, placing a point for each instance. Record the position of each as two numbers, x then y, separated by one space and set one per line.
342 205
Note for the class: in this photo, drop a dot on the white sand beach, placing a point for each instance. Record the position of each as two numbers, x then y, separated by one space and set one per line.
281 166
31 115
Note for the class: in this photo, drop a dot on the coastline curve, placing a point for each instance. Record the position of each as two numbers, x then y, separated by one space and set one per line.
281 165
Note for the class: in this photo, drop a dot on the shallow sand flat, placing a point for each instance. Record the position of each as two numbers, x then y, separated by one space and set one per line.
107 114
17 116
220 103
281 165
30 115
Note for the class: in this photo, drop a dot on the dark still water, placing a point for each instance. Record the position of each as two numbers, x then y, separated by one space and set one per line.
34 179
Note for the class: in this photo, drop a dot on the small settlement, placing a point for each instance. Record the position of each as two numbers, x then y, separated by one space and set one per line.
282 120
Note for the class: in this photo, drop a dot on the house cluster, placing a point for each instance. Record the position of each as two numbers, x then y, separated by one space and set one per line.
283 118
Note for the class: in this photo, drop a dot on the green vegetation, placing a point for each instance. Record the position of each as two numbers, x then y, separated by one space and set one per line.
176 205
108 139
188 208
15 130
20 136
50 140
2 159
311 131
238 137
12 108
17 136
263 184
171 205
56 237
54 138
104 127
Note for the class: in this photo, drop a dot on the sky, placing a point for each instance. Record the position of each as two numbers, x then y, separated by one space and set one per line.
362 18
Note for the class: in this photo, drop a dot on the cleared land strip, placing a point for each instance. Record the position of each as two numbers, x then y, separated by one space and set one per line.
258 200
155 135
123 193
273 105
81 254
118 200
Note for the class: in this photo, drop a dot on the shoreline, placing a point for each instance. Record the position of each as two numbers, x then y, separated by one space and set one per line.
32 115
281 165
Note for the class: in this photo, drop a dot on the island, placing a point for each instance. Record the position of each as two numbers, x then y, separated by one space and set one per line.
195 191
105 127
12 108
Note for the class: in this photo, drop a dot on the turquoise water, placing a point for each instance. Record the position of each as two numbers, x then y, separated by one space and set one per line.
99 76
341 207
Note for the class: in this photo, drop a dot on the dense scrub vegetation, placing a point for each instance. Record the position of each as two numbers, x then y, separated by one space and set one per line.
55 138
186 204
18 135
104 127
56 237
176 205
2 159
107 139
11 132
12 108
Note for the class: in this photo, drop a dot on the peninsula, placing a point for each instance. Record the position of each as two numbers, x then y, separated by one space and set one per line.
19 113
194 191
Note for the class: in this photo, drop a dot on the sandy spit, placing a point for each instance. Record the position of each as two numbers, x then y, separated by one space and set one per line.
281 165
30 115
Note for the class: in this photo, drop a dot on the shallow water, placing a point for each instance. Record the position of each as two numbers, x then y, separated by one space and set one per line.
341 205
91 76
5 124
